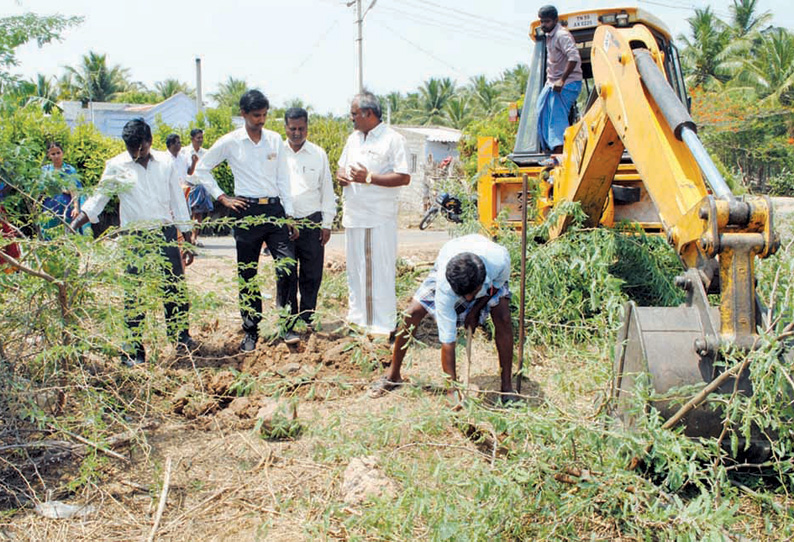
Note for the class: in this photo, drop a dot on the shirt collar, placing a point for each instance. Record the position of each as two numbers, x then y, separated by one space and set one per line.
376 131
242 134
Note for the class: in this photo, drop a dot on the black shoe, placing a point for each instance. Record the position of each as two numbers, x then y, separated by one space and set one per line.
249 342
133 359
292 338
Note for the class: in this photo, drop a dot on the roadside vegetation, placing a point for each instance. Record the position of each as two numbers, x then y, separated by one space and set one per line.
75 426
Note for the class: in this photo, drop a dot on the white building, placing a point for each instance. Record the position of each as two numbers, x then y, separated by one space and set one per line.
425 145
109 118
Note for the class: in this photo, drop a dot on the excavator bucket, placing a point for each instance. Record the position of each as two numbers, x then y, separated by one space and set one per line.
659 342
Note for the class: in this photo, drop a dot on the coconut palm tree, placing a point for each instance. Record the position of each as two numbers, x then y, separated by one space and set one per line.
229 93
485 95
433 97
169 87
458 111
40 91
94 80
744 20
770 67
704 55
514 82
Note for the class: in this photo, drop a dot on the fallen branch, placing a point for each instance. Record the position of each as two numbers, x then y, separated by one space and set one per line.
163 497
99 447
702 395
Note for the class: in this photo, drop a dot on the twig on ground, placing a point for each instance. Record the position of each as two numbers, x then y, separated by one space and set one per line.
163 497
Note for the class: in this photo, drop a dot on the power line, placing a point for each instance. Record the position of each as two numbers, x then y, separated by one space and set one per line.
461 16
315 46
456 29
477 18
422 49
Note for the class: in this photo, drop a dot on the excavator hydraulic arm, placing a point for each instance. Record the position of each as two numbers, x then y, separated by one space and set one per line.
716 235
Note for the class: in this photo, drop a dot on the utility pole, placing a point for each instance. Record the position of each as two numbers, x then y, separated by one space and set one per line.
199 94
360 41
359 47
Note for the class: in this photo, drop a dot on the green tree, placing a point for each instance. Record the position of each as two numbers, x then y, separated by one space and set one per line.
704 52
229 92
433 97
94 80
770 68
485 95
458 111
21 29
169 87
744 19
514 82
41 91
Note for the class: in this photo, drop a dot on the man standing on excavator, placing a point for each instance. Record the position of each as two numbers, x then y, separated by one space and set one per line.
563 81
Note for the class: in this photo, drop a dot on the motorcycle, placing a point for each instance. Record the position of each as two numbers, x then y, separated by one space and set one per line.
447 205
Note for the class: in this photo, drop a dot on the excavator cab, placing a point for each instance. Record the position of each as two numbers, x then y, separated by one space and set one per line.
634 155
582 25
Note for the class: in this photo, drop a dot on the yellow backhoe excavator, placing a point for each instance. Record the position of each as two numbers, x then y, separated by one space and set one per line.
633 154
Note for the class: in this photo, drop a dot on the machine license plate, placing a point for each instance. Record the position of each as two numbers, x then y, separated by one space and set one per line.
582 21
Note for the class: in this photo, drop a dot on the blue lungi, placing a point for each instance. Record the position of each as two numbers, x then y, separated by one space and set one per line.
553 108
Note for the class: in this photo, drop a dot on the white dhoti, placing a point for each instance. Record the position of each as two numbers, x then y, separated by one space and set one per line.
371 268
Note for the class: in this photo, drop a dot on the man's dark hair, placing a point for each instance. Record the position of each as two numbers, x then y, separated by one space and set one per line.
195 131
56 144
547 12
136 132
295 113
465 273
253 100
367 100
171 139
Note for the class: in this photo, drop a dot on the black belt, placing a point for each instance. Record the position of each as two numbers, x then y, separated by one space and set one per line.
260 201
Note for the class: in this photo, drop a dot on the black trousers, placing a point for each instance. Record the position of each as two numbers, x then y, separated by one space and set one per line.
173 285
249 239
310 254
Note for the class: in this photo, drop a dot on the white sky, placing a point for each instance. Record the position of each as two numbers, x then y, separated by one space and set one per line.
306 49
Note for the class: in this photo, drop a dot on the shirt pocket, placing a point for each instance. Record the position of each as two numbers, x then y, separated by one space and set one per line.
377 161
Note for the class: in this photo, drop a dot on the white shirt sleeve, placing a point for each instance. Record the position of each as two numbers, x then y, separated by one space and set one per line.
327 196
202 175
96 203
446 317
282 179
399 156
176 199
503 275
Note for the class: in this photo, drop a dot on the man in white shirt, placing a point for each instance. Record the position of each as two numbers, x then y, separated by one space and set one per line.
174 145
315 206
468 282
372 168
262 204
151 203
198 199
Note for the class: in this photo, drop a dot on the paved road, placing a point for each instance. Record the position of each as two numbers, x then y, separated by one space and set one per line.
408 241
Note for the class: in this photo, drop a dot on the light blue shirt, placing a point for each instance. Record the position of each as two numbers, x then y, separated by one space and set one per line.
497 272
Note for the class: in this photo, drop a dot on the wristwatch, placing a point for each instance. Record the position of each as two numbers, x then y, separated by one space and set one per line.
369 177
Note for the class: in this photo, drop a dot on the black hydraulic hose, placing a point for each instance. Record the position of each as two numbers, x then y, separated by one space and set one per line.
673 110
679 121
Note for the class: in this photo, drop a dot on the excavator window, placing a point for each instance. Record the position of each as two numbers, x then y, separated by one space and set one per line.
527 148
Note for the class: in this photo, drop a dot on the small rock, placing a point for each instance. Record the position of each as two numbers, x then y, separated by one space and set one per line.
240 406
336 352
182 397
62 510
363 479
221 382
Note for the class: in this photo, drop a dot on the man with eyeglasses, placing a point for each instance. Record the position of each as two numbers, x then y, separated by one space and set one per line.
372 168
